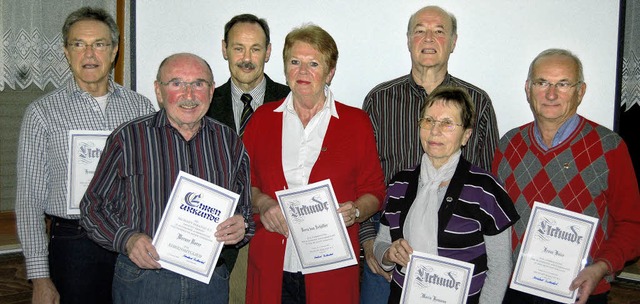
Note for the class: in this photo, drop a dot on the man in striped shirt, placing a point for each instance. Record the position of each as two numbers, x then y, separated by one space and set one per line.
394 108
125 201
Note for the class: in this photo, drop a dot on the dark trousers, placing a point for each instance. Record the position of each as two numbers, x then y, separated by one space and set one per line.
81 270
517 297
293 291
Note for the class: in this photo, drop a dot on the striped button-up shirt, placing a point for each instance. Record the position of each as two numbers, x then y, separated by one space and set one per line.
43 153
139 166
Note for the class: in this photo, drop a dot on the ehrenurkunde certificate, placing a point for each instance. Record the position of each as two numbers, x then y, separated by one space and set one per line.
435 279
185 237
85 148
318 232
554 249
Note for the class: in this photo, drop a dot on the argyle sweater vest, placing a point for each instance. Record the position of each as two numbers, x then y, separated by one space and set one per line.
575 175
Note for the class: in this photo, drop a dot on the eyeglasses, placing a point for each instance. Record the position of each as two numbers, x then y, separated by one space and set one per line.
177 85
562 86
429 123
81 46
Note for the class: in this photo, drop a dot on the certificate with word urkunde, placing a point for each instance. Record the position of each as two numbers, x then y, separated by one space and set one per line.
318 232
185 237
85 148
435 279
554 249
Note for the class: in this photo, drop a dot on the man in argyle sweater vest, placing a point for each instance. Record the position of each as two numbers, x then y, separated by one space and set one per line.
567 161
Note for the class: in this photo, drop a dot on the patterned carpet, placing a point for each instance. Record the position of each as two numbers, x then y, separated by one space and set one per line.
625 292
14 288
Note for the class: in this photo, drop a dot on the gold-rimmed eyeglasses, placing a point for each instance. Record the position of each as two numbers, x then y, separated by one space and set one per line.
429 123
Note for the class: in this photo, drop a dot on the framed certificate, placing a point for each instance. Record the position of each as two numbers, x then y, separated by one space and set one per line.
85 148
316 228
435 279
554 249
185 237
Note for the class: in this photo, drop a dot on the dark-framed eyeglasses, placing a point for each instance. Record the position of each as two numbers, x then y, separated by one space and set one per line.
177 85
81 46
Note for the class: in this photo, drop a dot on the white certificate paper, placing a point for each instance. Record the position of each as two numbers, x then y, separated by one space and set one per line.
85 148
316 228
435 279
554 249
185 237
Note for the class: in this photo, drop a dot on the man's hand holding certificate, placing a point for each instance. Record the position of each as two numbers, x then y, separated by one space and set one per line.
555 248
185 237
317 230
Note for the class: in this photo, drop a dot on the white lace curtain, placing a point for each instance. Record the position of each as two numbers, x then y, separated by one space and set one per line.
630 86
31 33
629 112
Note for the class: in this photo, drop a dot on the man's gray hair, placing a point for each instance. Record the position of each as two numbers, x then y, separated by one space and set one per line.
91 13
557 52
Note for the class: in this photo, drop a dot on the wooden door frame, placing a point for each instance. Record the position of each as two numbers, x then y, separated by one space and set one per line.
120 20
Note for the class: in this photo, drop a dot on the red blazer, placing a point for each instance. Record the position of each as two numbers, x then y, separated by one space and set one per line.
349 158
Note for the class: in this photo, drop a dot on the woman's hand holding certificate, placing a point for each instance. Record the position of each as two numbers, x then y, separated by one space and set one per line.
270 213
348 212
317 229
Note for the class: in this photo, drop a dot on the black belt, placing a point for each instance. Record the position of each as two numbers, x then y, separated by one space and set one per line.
61 220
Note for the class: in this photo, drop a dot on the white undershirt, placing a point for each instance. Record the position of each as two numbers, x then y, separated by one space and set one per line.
300 149
102 102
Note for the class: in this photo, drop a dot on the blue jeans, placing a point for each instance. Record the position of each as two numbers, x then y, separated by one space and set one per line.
374 289
134 285
81 270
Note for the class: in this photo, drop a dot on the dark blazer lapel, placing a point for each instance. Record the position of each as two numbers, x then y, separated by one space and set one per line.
221 108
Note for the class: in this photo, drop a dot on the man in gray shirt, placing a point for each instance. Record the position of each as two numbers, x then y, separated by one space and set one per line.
68 267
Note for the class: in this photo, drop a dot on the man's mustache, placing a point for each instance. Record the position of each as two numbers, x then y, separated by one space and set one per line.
246 65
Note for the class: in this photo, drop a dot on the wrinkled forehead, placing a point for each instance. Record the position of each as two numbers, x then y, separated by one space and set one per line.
186 68
432 16
89 28
555 66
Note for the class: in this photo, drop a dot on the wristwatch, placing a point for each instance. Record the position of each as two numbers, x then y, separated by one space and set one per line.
357 212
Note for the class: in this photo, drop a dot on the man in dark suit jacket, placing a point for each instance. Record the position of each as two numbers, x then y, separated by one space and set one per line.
222 108
246 47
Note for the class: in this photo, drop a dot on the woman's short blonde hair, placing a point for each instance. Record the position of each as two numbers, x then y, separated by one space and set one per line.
315 36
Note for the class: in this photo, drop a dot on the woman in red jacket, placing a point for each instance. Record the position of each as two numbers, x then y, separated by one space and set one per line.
308 137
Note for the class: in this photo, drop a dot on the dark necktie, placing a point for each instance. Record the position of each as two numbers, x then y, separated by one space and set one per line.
246 112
